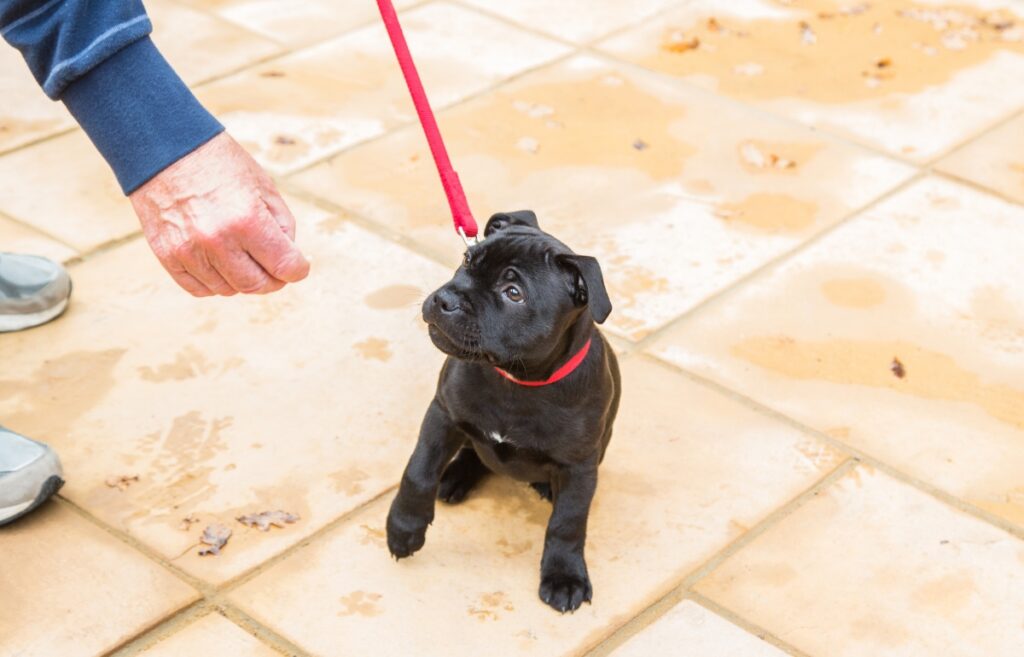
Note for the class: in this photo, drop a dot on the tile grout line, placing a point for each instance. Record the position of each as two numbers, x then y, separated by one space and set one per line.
260 630
41 231
166 628
865 458
983 132
975 186
743 623
767 267
683 585
138 546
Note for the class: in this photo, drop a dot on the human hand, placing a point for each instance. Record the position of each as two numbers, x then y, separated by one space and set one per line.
218 225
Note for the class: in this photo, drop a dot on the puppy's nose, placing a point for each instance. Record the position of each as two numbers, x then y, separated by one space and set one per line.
447 301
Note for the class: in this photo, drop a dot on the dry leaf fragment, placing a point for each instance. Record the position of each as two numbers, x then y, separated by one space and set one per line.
679 43
265 519
121 482
807 34
284 141
640 145
187 522
757 158
897 368
883 62
215 537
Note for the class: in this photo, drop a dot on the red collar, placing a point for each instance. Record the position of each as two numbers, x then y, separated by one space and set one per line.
560 373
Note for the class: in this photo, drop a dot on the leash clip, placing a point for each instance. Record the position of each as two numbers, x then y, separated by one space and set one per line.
465 239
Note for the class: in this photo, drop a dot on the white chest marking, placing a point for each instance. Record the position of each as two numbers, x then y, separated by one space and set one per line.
498 438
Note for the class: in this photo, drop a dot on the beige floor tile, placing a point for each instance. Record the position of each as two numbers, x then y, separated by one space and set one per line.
675 191
15 238
874 568
908 76
301 401
26 114
687 472
691 630
900 333
996 160
213 636
579 21
63 187
297 23
201 46
71 589
309 105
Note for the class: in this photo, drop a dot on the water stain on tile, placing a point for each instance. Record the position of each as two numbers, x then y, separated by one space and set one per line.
60 391
918 46
373 536
935 375
360 603
350 480
394 297
488 605
854 292
374 349
770 212
187 364
513 548
879 631
946 595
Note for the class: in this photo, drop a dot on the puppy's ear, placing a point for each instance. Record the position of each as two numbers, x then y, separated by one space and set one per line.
503 220
588 285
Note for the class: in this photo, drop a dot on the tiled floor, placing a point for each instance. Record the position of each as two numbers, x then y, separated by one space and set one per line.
810 217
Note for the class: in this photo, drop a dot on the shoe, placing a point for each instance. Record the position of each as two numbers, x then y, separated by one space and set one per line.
33 291
30 473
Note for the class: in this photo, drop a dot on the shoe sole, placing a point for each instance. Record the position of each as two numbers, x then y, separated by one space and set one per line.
11 323
49 487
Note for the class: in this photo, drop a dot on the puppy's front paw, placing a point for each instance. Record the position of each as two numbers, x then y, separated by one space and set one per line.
565 591
405 535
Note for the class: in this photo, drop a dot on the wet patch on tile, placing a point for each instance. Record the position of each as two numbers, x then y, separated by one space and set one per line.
672 222
897 333
893 74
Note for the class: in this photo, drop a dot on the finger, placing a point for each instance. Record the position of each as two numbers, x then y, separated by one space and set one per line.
280 212
186 281
243 273
190 284
195 261
276 253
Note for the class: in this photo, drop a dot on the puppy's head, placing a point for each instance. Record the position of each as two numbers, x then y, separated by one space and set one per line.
515 296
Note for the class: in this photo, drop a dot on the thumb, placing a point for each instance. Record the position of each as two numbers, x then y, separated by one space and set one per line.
281 213
275 251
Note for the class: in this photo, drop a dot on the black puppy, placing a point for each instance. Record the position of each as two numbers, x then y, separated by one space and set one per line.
530 390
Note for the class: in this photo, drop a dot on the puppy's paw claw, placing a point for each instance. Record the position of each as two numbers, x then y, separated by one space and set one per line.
402 542
565 592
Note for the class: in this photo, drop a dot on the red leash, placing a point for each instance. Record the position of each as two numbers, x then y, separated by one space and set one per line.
465 225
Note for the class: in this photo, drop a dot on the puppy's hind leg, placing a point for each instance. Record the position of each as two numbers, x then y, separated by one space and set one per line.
461 476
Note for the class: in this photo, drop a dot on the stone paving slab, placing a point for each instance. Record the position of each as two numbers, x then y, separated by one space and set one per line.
874 568
900 333
687 472
71 589
913 78
622 165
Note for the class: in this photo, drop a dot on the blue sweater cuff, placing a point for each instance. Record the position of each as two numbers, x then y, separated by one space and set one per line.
139 114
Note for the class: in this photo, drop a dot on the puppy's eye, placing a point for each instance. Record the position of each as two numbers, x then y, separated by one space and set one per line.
513 294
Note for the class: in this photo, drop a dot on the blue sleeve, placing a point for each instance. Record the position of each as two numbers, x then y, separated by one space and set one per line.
96 56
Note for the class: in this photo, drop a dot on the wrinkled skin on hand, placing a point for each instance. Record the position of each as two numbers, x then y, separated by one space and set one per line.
218 225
